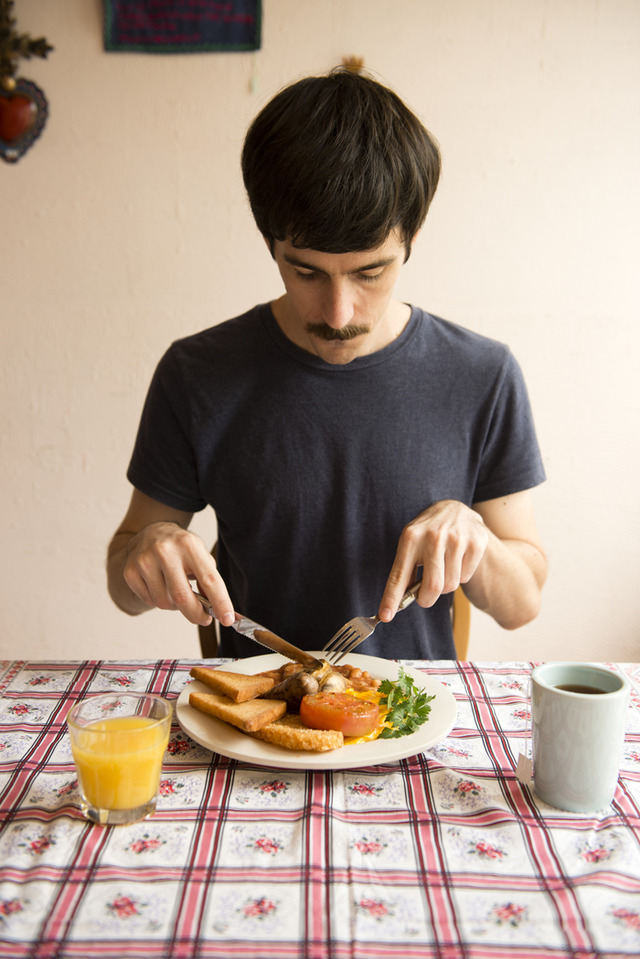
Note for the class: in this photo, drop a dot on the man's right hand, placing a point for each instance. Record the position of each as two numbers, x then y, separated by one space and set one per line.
152 560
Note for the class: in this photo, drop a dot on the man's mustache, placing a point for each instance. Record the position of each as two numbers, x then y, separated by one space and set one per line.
325 332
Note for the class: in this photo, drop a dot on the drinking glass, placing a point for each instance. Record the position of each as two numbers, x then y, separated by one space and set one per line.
118 741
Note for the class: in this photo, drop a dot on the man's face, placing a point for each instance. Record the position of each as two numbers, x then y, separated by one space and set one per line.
339 305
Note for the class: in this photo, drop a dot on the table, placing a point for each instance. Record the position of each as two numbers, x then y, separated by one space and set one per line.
445 854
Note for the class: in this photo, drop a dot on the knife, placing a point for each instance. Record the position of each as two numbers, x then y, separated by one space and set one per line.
247 627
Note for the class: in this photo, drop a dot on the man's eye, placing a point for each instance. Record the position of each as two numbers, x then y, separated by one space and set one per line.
370 277
306 275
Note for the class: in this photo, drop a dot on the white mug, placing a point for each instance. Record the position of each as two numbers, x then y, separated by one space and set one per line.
578 721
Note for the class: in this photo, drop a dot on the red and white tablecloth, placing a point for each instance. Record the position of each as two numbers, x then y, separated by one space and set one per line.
445 854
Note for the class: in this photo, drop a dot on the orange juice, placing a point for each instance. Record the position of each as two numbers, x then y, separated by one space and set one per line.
118 760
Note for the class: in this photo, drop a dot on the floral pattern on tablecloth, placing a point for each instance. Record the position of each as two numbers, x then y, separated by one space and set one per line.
151 843
371 845
53 790
40 679
457 752
614 918
183 749
14 745
267 789
253 912
598 846
378 912
499 849
25 711
468 793
631 756
452 679
180 679
263 842
124 909
507 686
31 843
508 917
355 790
23 908
513 717
181 790
434 856
129 678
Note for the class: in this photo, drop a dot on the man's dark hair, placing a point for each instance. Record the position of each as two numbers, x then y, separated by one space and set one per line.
335 163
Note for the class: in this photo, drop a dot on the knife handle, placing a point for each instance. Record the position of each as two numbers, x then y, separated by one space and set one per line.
205 602
273 641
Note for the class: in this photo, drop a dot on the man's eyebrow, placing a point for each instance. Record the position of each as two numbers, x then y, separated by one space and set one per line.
383 261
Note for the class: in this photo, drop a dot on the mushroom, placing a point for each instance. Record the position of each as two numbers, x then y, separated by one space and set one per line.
306 682
334 683
293 688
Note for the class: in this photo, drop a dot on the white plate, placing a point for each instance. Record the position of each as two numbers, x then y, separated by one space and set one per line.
224 739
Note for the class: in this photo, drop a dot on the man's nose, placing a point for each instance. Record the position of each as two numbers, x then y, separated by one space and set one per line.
338 306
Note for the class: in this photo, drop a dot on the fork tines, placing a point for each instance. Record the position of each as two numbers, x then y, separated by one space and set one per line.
348 637
337 647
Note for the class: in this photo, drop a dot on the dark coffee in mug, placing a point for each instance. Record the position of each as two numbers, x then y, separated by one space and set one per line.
578 713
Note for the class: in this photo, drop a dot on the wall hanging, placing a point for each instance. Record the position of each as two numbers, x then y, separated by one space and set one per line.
181 26
23 105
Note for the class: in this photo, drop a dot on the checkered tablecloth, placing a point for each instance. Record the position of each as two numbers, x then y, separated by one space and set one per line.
445 854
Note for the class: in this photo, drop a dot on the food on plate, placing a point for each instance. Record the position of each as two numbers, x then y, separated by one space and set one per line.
407 706
343 712
236 686
247 716
368 709
305 681
357 678
290 732
294 688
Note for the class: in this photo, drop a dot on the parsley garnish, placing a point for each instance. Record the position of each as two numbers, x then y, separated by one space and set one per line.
408 707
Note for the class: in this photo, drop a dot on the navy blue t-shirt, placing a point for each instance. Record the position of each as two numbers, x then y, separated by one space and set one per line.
314 469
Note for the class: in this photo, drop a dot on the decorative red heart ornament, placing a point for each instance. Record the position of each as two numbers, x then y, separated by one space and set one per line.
23 113
17 115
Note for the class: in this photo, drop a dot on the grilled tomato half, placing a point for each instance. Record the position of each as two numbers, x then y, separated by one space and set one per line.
341 711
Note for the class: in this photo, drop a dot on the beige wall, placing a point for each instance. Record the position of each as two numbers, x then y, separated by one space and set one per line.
126 226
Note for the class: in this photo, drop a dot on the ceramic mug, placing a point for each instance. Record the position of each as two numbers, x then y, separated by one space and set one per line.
578 713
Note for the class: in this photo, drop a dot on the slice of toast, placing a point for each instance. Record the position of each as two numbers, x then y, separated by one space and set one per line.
248 716
236 686
289 731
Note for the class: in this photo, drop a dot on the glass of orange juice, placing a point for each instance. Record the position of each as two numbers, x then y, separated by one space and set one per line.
118 741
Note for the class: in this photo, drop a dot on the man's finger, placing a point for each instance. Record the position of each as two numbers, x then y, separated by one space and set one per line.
404 573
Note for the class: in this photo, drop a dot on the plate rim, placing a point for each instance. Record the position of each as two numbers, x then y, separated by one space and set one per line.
236 745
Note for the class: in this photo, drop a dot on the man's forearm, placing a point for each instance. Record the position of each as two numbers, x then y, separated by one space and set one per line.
508 582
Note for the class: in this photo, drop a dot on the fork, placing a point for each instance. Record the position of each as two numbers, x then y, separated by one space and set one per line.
358 629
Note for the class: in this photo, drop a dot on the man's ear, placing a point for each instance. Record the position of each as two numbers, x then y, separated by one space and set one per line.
409 246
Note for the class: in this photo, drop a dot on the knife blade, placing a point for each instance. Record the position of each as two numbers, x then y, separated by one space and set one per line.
247 627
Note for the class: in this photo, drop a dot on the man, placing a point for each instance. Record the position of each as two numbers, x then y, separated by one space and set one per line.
345 440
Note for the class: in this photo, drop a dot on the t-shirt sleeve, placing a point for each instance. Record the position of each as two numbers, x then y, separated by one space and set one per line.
163 464
510 459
